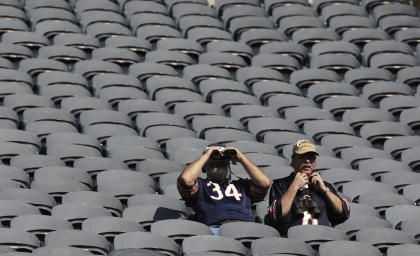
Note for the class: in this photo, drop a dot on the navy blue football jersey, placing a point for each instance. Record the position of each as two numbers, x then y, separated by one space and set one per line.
214 202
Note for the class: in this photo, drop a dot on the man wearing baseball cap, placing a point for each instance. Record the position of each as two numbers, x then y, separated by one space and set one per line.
304 198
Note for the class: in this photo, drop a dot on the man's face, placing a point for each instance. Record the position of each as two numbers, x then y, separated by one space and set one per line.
304 163
217 169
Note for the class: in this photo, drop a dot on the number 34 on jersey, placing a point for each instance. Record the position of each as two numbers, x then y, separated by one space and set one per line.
230 191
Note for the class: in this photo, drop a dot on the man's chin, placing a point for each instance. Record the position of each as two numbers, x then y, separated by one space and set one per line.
306 170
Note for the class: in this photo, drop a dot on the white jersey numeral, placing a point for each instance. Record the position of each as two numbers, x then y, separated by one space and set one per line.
230 191
308 219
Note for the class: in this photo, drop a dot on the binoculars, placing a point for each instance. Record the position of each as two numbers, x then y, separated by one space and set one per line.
309 205
223 155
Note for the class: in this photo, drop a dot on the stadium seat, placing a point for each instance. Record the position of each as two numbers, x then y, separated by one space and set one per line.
20 241
150 241
86 43
252 75
410 117
377 167
353 155
157 167
39 225
354 189
402 249
397 214
310 36
357 222
94 198
212 244
10 209
81 239
294 50
338 142
109 227
378 132
411 158
178 230
347 247
325 90
362 209
299 115
94 165
247 232
339 176
315 235
197 73
412 192
383 238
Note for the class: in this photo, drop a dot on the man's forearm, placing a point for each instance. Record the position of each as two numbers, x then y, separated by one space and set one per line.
191 172
287 200
258 177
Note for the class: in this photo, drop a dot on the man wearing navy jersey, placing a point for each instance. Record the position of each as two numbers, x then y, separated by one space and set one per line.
217 199
292 199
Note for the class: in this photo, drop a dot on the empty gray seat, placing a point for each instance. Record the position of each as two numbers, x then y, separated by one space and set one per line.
362 36
157 167
396 215
338 142
409 36
179 229
155 242
306 77
315 235
263 125
42 201
212 244
378 132
347 247
377 91
362 76
109 227
86 43
77 105
81 239
287 48
197 73
19 240
411 158
325 90
246 232
392 24
403 249
276 245
256 37
357 222
398 103
320 128
251 75
89 68
39 225
345 23
412 192
106 201
186 46
282 102
311 36
294 23
10 209
383 238
188 110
